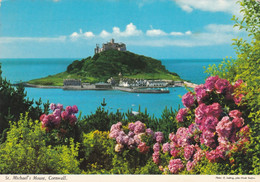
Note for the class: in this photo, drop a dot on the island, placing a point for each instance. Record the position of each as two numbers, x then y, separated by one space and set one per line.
113 67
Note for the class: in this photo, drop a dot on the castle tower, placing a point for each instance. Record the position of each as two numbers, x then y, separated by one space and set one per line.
112 41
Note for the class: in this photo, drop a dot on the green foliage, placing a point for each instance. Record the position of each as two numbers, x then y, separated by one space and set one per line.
246 67
25 152
100 157
102 120
13 101
109 64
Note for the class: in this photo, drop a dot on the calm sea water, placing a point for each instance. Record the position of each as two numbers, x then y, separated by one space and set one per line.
17 70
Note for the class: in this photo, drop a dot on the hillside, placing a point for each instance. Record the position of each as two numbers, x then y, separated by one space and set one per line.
108 64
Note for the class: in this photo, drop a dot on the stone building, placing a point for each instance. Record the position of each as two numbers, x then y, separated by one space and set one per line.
71 82
110 45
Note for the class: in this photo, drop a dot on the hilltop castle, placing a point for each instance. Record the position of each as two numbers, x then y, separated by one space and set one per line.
110 45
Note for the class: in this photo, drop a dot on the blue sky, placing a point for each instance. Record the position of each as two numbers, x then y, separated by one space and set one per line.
158 28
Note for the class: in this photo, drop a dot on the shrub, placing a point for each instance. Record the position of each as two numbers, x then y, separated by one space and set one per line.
13 101
25 152
217 133
246 67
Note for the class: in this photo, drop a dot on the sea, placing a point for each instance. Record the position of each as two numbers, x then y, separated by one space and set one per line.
17 70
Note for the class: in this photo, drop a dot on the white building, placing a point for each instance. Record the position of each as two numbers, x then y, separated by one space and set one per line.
155 83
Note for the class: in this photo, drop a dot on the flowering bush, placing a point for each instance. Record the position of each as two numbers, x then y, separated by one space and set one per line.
61 121
217 129
137 137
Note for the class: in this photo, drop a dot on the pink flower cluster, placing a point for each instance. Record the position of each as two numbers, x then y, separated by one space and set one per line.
217 125
133 139
58 116
175 166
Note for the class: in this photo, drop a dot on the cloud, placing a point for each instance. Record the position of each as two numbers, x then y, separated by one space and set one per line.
155 32
75 35
176 33
56 0
228 6
129 31
213 34
32 39
104 34
221 28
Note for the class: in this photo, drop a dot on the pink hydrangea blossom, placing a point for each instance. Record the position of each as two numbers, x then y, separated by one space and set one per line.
131 134
65 115
210 124
75 109
131 126
116 126
120 139
175 166
201 113
212 156
224 127
229 92
56 121
60 107
238 122
190 165
210 83
183 136
173 137
150 132
156 147
156 157
69 109
126 139
222 85
223 140
131 141
235 114
42 117
182 113
189 151
143 148
52 106
137 139
159 136
175 152
166 147
139 127
188 100
208 139
221 152
215 110
201 93
72 119
114 134
193 129
198 155
57 112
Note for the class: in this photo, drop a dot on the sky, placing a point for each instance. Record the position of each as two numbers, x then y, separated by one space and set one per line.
163 29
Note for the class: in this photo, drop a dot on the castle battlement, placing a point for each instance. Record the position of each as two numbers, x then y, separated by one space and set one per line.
110 45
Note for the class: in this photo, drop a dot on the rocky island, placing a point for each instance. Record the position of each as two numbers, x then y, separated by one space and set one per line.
112 67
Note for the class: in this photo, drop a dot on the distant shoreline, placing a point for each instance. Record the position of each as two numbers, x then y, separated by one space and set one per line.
124 89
